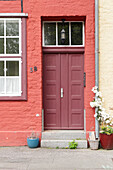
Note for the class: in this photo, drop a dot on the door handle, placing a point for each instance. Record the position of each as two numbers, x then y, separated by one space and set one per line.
62 92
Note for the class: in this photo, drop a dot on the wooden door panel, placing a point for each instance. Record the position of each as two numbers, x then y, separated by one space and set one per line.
76 91
51 88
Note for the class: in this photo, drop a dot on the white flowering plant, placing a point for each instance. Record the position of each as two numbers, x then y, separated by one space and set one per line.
100 114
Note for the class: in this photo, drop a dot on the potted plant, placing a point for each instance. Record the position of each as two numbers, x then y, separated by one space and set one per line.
104 119
33 140
106 137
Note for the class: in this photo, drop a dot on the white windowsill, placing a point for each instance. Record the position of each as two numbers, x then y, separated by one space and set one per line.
13 14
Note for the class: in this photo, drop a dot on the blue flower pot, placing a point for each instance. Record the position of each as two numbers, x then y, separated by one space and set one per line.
33 143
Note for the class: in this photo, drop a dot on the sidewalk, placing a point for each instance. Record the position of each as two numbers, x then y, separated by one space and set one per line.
23 158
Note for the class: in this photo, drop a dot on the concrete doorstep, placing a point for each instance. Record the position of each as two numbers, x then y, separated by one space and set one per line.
61 138
82 144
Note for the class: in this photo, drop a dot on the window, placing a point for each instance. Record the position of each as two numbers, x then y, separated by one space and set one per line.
74 33
12 59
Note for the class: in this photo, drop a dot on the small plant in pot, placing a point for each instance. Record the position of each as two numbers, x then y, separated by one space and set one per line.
105 120
33 140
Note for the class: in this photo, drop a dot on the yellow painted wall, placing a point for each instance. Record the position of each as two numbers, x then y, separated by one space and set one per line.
106 52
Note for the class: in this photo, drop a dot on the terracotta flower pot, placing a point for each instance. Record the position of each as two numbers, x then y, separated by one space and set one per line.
106 141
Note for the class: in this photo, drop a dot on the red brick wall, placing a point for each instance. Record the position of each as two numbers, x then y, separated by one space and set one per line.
18 118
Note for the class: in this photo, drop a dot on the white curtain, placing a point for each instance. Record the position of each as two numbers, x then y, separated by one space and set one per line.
12 85
2 85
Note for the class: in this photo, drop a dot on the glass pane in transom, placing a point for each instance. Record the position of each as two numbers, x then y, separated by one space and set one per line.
12 45
12 68
66 28
1 28
1 68
12 28
1 45
76 33
49 33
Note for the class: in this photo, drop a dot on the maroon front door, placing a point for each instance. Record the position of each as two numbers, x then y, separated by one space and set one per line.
63 89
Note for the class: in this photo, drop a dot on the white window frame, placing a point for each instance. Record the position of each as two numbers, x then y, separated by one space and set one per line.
83 33
5 19
11 59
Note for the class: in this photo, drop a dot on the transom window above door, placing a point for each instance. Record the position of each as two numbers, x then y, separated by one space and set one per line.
63 33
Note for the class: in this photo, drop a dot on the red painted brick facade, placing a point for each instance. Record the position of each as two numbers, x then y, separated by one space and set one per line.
17 118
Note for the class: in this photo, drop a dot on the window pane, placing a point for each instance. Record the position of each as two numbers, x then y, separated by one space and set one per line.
50 33
1 68
12 85
12 28
12 45
12 68
1 28
1 45
76 33
2 85
66 28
